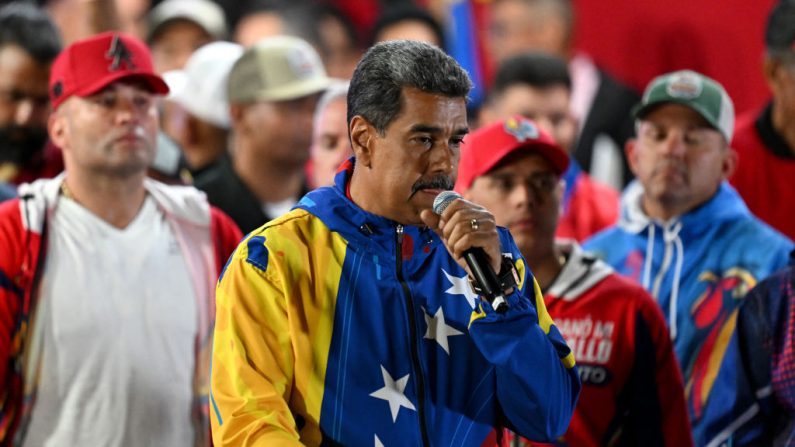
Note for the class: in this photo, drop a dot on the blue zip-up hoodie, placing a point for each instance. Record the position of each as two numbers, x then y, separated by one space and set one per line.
698 267
339 327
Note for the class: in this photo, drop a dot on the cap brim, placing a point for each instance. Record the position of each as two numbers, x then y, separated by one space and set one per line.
294 91
555 155
641 110
153 82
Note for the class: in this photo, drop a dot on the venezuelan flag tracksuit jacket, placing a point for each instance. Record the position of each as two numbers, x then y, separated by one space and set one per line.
339 327
698 267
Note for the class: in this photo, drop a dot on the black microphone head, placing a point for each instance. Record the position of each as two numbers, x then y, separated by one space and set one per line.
443 200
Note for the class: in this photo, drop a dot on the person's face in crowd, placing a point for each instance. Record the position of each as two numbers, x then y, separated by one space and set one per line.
516 27
256 26
679 159
780 75
112 132
331 145
524 194
409 30
547 106
202 143
416 157
132 16
281 130
24 105
175 43
340 54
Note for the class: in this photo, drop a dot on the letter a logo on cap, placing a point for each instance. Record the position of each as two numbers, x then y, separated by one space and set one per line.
119 54
521 130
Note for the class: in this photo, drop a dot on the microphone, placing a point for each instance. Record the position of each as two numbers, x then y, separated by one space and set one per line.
476 259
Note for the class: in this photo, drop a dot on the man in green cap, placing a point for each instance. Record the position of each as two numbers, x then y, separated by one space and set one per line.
687 236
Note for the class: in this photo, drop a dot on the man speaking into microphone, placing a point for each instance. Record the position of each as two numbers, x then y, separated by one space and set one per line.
353 319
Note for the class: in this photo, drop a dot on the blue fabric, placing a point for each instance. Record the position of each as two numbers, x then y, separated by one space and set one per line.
502 366
7 191
726 251
463 47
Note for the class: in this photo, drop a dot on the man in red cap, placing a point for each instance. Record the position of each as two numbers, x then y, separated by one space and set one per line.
632 388
107 277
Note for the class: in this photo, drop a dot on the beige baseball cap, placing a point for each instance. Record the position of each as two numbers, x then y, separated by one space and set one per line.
278 68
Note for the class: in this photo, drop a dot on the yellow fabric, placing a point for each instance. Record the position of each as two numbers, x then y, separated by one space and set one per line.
273 333
544 320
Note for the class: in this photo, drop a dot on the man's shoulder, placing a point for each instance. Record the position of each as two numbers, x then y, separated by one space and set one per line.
185 202
608 237
11 224
296 223
212 177
749 229
289 235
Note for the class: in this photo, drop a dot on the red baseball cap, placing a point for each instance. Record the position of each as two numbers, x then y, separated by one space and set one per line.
487 146
87 66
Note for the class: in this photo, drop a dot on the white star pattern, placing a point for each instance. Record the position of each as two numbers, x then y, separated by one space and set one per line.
439 330
378 442
460 286
392 392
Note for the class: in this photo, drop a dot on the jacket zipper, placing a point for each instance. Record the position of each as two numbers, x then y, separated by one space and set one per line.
415 355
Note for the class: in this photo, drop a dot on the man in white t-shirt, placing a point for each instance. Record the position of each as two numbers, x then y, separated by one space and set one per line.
107 277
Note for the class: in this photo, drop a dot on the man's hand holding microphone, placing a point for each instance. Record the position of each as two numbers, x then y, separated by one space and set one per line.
469 232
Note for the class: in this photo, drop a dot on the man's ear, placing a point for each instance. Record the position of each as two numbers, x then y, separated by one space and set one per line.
56 127
236 113
729 162
630 151
771 71
362 138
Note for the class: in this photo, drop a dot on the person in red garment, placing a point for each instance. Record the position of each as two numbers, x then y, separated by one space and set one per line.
632 389
765 140
107 301
538 86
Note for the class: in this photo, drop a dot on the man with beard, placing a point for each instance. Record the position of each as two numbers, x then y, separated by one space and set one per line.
687 236
350 320
29 42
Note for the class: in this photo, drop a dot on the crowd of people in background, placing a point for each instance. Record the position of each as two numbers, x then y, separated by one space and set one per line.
141 140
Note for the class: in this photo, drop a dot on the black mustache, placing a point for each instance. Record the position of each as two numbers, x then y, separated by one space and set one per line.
439 182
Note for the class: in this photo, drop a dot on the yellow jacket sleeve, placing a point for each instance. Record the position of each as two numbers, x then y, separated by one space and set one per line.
253 361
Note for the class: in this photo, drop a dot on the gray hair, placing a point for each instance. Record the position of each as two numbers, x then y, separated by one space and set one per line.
388 67
338 89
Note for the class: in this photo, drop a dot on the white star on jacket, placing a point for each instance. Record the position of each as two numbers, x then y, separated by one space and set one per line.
460 286
439 330
392 392
378 442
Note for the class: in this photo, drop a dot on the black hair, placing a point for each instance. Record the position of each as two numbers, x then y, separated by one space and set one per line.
535 69
780 31
396 13
25 25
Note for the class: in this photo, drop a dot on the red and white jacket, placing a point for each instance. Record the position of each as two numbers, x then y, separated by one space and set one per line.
632 392
206 237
